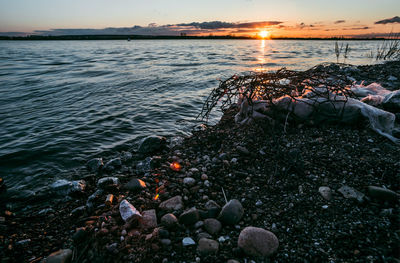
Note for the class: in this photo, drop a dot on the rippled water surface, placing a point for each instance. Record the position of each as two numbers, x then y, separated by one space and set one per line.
63 102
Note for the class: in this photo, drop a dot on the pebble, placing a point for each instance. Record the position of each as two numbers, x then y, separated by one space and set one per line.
326 192
189 181
207 246
188 241
212 226
351 193
128 211
189 217
95 164
204 177
173 204
258 242
213 208
243 150
126 156
60 256
135 185
149 219
152 144
112 164
207 183
231 212
169 220
106 182
78 211
232 261
23 242
234 160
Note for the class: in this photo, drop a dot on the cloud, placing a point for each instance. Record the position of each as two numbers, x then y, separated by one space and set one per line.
220 24
357 28
171 30
395 19
339 21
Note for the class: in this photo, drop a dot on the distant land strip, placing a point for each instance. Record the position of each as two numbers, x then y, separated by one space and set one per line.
139 37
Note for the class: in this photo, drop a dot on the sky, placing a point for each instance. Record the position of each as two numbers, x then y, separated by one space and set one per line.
280 18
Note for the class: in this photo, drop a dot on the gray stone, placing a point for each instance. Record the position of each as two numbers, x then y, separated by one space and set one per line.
212 226
351 193
60 256
23 242
46 211
126 156
189 181
326 192
149 219
213 208
231 212
144 166
382 193
64 187
128 211
173 204
243 150
78 211
207 246
135 185
169 220
232 261
95 164
112 164
258 242
189 217
188 241
152 144
106 182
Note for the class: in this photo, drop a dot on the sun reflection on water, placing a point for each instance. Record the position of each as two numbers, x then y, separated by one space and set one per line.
261 58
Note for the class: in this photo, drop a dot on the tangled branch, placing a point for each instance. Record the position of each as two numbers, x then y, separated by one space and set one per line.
321 81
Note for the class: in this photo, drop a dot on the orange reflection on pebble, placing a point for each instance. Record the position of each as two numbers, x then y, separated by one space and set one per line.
175 166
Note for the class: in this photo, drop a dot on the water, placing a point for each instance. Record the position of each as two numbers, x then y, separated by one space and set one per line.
63 102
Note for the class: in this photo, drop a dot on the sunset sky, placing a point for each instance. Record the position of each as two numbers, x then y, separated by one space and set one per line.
282 18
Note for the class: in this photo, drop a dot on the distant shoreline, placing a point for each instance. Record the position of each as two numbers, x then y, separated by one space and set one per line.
137 37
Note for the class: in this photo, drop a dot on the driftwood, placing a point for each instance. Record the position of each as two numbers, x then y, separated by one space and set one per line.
314 95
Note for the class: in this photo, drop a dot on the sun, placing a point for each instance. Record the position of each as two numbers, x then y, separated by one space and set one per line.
264 34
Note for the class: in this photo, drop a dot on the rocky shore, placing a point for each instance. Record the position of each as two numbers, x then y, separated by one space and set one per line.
228 193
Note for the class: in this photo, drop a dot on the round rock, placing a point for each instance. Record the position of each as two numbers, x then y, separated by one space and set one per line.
231 213
325 192
212 226
189 181
207 246
258 242
152 144
169 220
173 204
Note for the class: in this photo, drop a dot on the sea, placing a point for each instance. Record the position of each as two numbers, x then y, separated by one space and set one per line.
65 102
